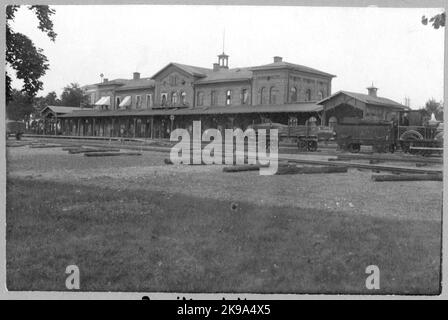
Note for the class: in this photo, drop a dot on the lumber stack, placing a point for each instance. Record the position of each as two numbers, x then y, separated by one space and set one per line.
36 146
310 170
110 154
409 177
244 167
90 150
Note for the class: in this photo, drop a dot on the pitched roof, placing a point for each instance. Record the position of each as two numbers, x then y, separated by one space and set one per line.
192 70
61 109
378 101
137 84
113 82
196 71
236 74
293 66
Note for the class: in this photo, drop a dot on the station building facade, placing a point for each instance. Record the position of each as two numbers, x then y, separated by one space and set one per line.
220 97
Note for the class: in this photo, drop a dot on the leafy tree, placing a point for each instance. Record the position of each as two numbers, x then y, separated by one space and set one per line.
437 21
433 106
51 99
20 106
73 95
28 61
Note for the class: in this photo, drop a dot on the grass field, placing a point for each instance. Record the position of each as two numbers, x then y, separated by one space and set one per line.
147 240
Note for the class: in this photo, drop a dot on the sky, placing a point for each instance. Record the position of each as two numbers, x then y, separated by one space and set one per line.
388 47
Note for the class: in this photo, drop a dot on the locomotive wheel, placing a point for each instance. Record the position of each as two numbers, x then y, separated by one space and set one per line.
354 147
302 145
312 146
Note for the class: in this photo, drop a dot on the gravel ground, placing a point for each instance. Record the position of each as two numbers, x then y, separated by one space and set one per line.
351 192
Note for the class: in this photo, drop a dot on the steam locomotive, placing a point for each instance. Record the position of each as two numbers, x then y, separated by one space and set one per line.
413 132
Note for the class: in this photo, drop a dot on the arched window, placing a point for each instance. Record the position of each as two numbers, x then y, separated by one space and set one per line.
263 95
273 95
213 98
183 98
164 98
332 121
293 94
173 98
308 95
228 97
244 96
320 95
200 98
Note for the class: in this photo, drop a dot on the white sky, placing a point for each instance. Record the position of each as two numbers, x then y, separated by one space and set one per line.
389 47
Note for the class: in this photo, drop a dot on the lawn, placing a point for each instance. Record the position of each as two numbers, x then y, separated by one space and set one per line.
142 240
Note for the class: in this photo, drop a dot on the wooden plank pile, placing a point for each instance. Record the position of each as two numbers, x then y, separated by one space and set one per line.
408 177
111 154
45 145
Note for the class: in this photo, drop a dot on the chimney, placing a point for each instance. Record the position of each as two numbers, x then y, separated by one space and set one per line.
372 91
136 75
278 59
216 67
105 80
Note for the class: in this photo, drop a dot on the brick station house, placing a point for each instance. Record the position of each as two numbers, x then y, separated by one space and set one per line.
220 97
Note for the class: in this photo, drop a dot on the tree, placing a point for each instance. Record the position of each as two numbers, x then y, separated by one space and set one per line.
73 95
28 61
437 21
51 99
20 106
433 106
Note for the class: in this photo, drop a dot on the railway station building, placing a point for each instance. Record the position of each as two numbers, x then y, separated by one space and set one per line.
220 97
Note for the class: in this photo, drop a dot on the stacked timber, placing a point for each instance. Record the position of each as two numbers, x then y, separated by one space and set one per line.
409 177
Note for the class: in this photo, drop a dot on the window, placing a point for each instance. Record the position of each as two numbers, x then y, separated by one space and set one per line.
320 95
173 80
308 95
213 98
138 102
228 97
183 98
200 101
164 98
263 95
293 94
117 102
148 101
173 98
273 95
244 96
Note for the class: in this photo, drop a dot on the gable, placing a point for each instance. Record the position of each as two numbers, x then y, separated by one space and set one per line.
172 69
